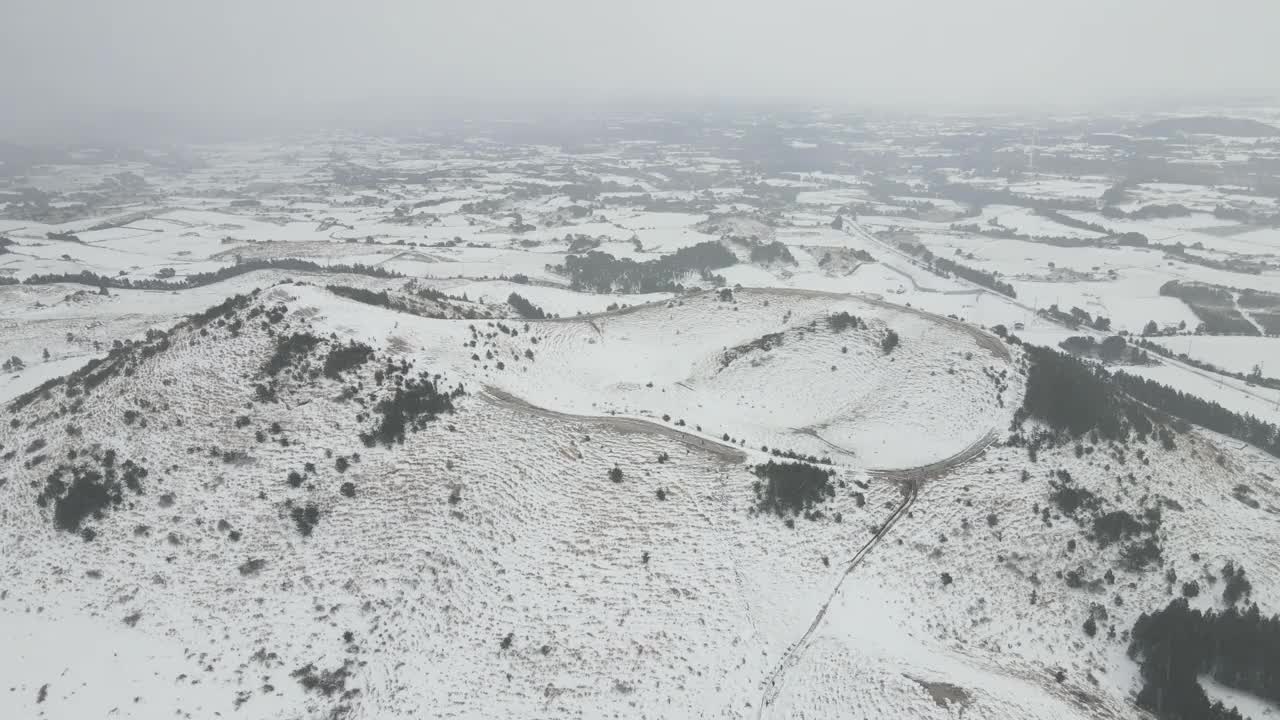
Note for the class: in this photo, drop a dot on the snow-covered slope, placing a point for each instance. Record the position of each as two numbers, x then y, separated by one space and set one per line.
489 566
765 368
406 497
493 520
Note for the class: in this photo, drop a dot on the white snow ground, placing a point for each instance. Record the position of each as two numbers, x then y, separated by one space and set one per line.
500 521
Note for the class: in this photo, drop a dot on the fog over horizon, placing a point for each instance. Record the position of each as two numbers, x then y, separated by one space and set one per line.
76 66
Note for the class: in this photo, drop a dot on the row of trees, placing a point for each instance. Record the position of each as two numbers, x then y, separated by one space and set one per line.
974 275
996 230
1077 317
1254 376
1112 349
946 268
1217 307
977 196
1205 413
1064 219
368 297
1234 264
1074 396
1147 212
1252 217
86 277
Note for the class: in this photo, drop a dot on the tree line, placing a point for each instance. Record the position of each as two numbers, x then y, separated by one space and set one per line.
1177 645
1075 396
1205 413
103 282
946 268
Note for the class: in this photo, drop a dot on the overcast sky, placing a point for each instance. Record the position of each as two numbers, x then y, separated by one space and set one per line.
89 56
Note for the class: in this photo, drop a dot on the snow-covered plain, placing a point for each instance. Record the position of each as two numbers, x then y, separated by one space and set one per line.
489 566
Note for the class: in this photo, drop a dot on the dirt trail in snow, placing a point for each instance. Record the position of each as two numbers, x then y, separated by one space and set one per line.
1235 303
910 480
724 451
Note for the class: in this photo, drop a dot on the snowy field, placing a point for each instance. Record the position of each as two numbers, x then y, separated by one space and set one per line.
585 532
1234 354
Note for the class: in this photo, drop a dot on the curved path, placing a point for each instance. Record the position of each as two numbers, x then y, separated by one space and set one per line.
910 479
724 451
984 339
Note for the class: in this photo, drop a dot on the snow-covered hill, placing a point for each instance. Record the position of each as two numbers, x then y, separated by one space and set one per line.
768 368
250 550
666 424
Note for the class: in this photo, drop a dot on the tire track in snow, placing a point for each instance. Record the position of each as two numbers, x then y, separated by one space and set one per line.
911 479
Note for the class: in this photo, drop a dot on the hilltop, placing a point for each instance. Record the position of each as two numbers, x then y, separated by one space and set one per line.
735 414
297 500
